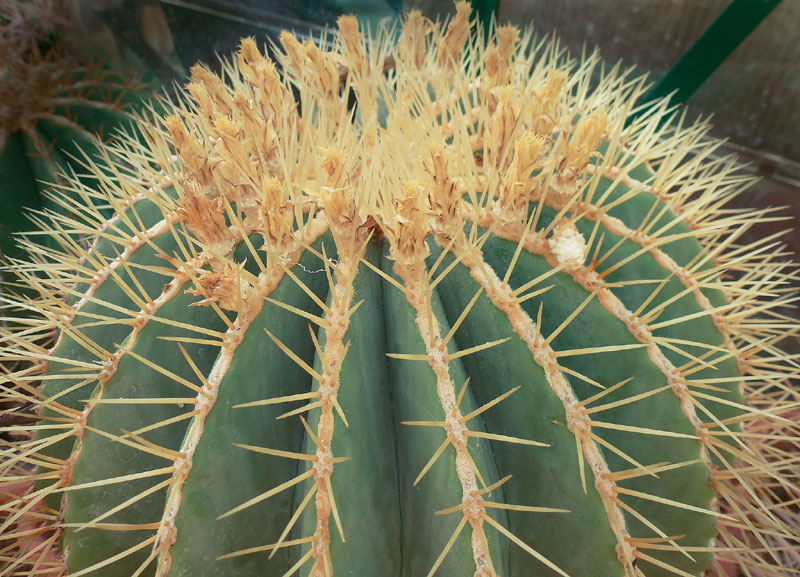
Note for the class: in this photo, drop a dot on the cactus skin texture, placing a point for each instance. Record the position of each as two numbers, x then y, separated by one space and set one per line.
475 325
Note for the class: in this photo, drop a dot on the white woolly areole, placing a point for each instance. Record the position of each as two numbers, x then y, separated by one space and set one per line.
568 246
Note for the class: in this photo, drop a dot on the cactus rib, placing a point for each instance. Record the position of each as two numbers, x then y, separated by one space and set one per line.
410 267
266 283
578 422
638 326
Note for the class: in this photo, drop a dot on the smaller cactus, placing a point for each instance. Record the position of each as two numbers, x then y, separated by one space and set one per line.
57 108
479 325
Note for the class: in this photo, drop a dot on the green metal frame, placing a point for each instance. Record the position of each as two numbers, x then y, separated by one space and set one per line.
724 35
485 10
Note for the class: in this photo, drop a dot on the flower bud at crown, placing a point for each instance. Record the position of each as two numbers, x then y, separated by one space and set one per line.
519 182
412 38
195 159
337 197
443 195
293 50
452 45
544 109
586 138
411 221
578 150
502 125
323 72
227 287
204 217
353 49
277 216
230 145
250 60
498 59
218 96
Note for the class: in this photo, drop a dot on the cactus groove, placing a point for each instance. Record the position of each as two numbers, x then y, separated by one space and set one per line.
475 326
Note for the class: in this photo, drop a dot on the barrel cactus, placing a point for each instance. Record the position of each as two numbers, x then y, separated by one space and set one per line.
454 310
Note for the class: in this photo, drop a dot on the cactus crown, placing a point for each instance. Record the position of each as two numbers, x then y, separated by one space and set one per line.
408 298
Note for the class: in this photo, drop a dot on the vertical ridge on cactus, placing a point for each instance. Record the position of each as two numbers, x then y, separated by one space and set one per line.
478 324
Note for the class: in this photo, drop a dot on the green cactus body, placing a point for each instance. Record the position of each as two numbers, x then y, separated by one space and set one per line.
494 332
